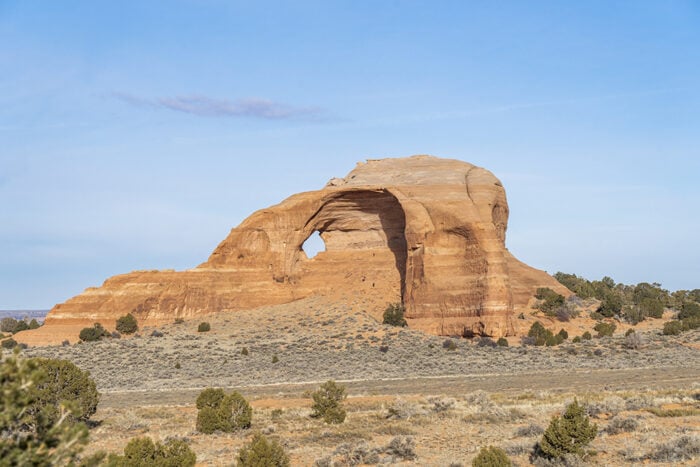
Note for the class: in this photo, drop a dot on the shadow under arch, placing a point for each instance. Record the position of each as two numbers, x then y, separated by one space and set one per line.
359 220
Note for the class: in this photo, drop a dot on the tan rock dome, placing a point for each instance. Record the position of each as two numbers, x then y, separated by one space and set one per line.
423 230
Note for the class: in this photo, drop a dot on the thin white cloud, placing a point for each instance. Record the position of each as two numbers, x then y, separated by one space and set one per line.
204 106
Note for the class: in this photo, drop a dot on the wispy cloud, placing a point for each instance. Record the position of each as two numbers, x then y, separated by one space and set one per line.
204 106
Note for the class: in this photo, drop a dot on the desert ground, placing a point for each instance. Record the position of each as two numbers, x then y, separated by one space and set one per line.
414 399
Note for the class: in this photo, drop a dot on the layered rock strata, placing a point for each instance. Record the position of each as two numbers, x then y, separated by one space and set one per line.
426 231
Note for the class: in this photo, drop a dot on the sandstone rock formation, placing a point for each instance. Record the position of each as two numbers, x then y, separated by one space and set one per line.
426 231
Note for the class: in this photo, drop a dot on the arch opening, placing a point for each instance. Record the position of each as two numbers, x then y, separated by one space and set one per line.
365 246
313 245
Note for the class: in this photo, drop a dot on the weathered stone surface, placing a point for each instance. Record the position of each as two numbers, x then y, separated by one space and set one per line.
428 231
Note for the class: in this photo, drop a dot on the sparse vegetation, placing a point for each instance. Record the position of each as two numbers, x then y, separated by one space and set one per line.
328 402
262 452
394 315
551 301
95 333
449 344
13 326
143 452
218 411
307 339
491 456
28 436
204 327
65 382
9 343
127 324
569 433
605 329
539 335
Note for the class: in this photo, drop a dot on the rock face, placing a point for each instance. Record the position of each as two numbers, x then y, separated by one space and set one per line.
426 231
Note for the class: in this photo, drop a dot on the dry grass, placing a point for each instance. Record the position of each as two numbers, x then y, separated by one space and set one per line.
443 437
447 419
317 341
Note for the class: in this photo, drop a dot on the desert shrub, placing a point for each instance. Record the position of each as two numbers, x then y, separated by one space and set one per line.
633 314
568 433
502 342
486 342
402 409
529 430
578 285
276 359
449 344
691 323
328 400
442 404
127 324
9 343
605 329
221 412
204 327
29 437
611 305
541 335
34 324
261 452
403 447
178 321
65 382
143 452
683 448
551 301
244 351
672 328
553 340
563 334
633 340
491 457
156 333
689 310
210 397
596 316
394 315
563 314
95 333
576 339
586 336
622 425
8 325
651 307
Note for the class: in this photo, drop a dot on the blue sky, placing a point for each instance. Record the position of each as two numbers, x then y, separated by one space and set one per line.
135 135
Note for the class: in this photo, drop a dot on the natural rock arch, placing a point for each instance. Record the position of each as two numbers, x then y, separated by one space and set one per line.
361 226
428 231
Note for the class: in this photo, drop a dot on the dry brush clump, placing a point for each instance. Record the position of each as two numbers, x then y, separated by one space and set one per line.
678 449
399 448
